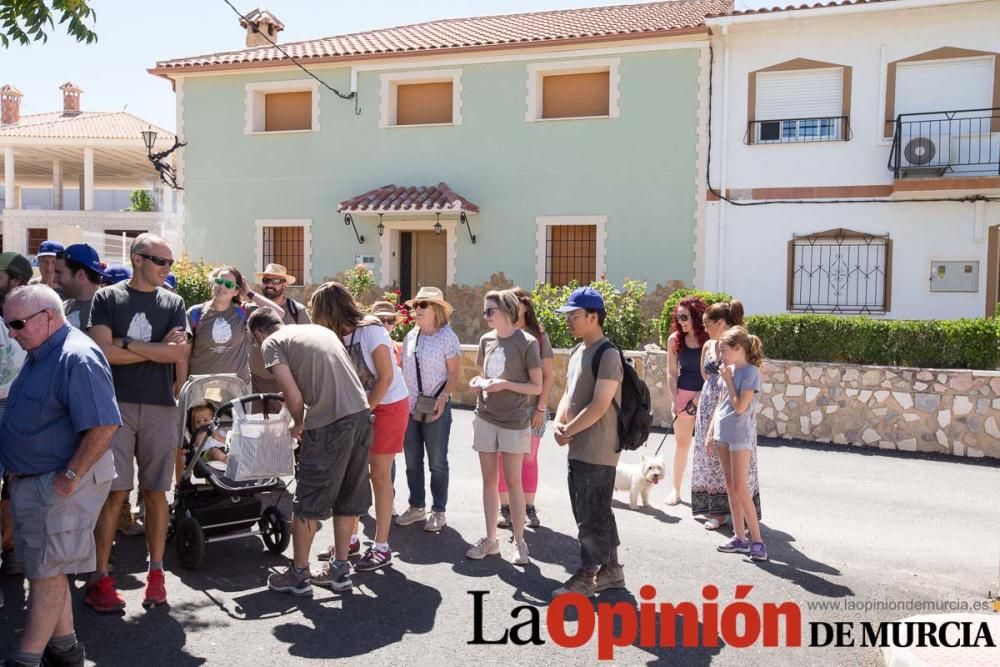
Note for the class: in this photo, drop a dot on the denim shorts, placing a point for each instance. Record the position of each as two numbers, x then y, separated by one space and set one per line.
736 447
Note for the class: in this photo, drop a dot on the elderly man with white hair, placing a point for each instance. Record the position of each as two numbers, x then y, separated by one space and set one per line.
55 440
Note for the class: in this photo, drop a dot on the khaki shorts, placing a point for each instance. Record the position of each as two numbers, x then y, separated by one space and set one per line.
55 535
148 435
489 438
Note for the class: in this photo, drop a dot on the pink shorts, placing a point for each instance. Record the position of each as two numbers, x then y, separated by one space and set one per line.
681 399
390 427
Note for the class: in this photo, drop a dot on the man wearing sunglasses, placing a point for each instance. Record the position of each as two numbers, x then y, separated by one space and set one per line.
15 270
141 328
273 281
55 440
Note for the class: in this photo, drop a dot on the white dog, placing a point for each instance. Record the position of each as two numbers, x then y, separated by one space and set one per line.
639 479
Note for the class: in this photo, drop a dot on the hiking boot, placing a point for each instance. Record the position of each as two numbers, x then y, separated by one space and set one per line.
521 556
74 657
103 597
373 560
582 582
333 576
156 590
735 546
290 582
411 515
435 522
483 548
609 576
504 520
331 552
531 517
758 551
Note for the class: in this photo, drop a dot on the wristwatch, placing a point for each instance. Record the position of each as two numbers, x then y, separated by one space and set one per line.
125 342
70 475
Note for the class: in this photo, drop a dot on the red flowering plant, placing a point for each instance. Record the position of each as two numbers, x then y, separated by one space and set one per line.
406 317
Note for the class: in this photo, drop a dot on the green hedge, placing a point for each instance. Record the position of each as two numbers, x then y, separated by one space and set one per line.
624 323
965 343
675 298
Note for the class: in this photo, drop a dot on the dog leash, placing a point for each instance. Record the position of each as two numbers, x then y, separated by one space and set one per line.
690 409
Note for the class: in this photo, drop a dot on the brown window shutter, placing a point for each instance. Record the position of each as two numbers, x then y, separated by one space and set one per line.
285 246
572 254
424 103
575 95
288 111
36 235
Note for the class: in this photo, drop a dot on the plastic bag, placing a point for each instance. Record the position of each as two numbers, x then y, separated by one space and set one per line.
259 447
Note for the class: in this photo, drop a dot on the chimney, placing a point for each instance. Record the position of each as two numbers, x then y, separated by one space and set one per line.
71 98
10 105
260 23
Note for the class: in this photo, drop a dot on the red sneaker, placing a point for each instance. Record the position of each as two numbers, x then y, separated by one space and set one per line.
156 591
102 596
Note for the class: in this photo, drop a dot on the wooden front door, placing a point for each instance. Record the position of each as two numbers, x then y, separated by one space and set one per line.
429 260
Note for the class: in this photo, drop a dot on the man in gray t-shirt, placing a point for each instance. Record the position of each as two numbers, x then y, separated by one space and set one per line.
78 272
586 421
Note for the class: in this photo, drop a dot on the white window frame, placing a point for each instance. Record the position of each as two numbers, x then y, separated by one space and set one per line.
538 71
542 223
800 127
305 223
390 81
254 104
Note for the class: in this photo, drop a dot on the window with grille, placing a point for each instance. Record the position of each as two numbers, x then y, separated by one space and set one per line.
424 103
840 271
570 254
288 111
792 106
35 237
576 95
285 246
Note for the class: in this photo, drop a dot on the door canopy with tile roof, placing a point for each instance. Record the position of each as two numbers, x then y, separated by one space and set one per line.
408 199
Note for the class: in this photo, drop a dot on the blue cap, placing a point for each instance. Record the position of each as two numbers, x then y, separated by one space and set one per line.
116 273
84 254
170 282
583 297
49 249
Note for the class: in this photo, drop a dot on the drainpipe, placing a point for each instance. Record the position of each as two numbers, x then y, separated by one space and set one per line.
721 254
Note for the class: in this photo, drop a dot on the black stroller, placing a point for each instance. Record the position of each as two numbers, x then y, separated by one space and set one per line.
209 507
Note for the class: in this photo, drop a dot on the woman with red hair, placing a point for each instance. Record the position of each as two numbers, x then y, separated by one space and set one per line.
684 381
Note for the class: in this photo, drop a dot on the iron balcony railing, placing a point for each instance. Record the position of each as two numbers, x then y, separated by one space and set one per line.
798 130
934 143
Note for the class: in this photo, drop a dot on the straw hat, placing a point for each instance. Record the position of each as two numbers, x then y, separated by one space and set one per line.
275 271
384 309
434 295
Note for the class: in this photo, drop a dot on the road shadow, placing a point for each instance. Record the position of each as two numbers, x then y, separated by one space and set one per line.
654 512
867 450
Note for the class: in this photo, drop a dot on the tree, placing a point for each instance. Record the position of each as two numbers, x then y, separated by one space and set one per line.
25 21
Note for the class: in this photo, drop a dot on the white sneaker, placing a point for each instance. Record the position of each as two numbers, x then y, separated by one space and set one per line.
411 515
435 522
521 556
484 548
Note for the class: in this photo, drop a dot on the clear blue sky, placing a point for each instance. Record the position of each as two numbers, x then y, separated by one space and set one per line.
134 34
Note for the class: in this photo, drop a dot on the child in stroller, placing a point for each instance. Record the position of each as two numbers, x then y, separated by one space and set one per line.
200 417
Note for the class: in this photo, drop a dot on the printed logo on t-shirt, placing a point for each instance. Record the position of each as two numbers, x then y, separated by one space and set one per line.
222 333
140 329
496 363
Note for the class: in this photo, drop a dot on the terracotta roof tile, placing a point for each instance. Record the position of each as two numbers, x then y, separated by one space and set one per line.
480 31
83 125
788 8
401 198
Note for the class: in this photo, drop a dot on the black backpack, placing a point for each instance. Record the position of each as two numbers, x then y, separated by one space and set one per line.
635 414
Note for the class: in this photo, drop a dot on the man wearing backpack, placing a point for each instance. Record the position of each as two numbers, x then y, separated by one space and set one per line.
587 422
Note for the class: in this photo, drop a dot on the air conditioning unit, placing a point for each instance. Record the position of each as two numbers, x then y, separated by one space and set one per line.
925 153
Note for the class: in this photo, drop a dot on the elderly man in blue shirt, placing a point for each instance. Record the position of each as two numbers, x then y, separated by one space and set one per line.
55 439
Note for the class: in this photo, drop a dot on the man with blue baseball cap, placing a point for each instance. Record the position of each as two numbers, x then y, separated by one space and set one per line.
587 423
47 253
116 273
79 272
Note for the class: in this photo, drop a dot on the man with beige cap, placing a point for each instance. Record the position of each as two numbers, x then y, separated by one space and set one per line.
273 281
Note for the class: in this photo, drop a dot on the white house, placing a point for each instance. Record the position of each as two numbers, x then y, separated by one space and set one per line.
858 147
67 175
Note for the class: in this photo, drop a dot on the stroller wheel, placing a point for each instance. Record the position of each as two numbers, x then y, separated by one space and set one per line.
274 530
190 543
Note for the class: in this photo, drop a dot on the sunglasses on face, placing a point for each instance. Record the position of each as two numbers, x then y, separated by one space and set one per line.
159 261
422 304
488 312
17 325
229 284
388 321
683 318
272 281
573 316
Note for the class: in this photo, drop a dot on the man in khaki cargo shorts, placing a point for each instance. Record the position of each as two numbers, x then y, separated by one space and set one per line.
54 440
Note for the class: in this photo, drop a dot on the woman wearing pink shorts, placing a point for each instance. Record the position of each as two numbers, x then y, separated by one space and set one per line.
684 381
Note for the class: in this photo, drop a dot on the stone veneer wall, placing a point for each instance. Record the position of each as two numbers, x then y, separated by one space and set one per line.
908 409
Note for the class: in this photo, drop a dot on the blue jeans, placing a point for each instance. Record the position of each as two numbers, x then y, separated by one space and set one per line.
432 436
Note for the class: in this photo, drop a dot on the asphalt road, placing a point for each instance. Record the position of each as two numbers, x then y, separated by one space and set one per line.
840 524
